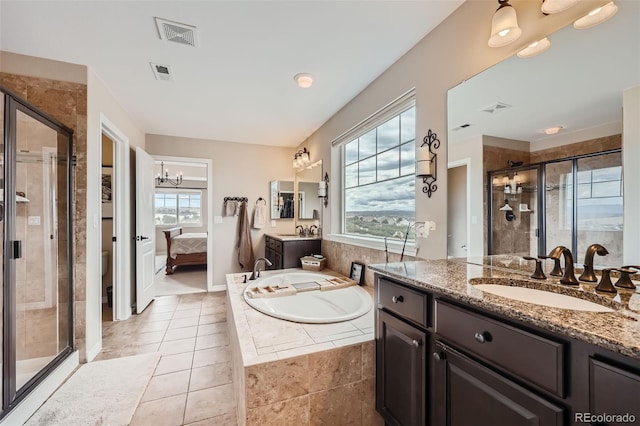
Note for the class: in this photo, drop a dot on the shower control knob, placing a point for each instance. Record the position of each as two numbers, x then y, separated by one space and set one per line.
397 299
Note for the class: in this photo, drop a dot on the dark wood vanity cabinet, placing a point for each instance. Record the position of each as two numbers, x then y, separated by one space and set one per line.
482 368
286 253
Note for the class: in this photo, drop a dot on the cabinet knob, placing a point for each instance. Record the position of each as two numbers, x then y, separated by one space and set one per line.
416 343
482 337
397 299
438 356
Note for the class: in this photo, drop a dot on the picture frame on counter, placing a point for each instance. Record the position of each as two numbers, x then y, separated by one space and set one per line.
357 272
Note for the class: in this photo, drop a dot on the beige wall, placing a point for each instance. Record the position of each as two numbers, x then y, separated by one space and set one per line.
454 51
631 159
239 170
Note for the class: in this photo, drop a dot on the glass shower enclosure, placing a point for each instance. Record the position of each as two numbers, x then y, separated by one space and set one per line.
35 228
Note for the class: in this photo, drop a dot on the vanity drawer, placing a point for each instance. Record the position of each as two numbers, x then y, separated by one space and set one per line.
529 356
409 304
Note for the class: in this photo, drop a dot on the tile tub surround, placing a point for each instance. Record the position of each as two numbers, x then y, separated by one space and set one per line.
618 331
306 374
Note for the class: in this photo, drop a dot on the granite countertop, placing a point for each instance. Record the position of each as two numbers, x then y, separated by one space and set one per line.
618 331
292 237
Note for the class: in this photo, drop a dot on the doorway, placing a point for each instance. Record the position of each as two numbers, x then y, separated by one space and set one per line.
457 212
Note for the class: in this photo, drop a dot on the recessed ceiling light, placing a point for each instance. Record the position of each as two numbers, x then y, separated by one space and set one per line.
534 48
304 80
553 130
596 16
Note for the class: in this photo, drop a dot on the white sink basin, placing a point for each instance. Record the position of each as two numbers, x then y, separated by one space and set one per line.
541 297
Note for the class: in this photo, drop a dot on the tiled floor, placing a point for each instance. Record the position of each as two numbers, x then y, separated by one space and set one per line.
192 384
186 279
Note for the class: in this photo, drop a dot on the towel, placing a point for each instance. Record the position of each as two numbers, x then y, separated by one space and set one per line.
230 208
245 248
259 215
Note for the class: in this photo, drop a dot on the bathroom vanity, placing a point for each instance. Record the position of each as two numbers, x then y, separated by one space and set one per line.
448 353
285 251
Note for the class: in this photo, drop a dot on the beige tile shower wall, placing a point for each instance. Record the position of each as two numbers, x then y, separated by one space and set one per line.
585 147
340 255
66 102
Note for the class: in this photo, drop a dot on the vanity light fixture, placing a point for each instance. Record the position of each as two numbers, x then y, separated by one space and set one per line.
427 164
512 185
596 16
553 130
163 177
323 190
504 25
554 6
534 48
304 80
301 158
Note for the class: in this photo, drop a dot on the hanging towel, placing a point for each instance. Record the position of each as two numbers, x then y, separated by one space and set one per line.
230 208
245 248
259 214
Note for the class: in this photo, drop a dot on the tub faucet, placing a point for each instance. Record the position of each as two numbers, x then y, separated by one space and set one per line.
568 277
589 274
256 270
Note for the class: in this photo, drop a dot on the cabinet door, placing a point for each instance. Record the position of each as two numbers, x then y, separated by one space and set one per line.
614 391
468 393
400 371
274 257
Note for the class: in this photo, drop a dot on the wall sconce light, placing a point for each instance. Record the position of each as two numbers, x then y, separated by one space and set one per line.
504 25
426 162
301 158
163 177
596 16
512 186
323 190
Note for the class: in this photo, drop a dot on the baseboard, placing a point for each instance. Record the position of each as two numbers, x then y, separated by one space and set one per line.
222 287
42 392
94 351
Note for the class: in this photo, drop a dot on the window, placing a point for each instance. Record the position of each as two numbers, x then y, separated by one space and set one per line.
178 207
378 168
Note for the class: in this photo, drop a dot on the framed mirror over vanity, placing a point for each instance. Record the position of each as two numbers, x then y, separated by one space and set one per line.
535 147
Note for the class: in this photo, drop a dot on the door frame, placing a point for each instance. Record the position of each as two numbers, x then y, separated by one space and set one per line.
121 190
209 163
467 163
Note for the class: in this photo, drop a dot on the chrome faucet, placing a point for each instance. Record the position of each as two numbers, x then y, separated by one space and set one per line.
589 274
568 277
256 271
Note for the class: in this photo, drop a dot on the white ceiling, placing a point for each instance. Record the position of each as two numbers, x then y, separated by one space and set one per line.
577 84
238 84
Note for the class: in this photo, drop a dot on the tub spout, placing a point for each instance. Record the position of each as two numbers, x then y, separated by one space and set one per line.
256 270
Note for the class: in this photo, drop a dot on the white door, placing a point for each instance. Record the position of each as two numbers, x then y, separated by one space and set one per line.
145 230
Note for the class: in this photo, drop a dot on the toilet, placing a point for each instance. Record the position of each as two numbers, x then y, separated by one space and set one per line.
105 263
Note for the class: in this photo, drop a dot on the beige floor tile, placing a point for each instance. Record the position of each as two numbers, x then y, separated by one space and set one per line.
213 318
185 305
186 313
205 329
177 346
160 316
212 341
210 376
167 385
153 326
167 300
161 308
183 322
228 419
207 403
211 356
161 412
214 309
180 333
173 363
151 337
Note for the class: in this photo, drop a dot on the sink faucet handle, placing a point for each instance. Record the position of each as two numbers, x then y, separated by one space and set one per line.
605 284
625 276
557 270
538 274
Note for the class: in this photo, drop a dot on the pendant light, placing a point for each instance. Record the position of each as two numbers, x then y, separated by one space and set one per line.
554 6
596 16
534 48
504 25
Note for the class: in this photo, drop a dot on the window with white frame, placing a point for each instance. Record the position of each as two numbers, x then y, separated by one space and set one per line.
378 169
179 207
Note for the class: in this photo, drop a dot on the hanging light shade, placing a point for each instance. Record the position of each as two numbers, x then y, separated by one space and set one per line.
596 16
504 25
534 49
554 6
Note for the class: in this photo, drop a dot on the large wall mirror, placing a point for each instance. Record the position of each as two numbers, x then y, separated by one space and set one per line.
282 199
309 206
497 121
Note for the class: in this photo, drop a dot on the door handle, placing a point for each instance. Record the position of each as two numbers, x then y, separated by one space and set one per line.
141 238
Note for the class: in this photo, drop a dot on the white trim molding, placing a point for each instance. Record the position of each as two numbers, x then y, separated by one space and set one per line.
393 245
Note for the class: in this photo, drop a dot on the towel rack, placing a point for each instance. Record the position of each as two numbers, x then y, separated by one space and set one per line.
261 199
240 199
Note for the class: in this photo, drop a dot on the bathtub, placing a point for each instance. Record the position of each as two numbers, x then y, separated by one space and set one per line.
315 307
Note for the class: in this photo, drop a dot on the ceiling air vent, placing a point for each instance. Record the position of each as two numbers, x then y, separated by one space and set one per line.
460 127
177 32
162 72
496 108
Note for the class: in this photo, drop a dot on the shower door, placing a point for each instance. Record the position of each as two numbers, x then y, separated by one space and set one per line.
37 313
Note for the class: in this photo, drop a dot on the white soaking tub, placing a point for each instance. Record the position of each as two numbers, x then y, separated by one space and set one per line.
314 306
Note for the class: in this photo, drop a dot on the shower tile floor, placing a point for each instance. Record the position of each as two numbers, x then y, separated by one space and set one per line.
192 384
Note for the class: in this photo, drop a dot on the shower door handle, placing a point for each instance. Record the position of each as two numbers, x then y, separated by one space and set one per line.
17 250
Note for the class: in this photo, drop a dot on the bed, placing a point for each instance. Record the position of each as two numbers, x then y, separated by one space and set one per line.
185 249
